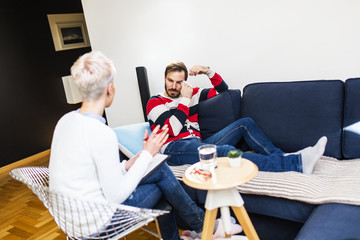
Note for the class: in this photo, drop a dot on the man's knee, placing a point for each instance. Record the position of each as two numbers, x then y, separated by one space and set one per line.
245 122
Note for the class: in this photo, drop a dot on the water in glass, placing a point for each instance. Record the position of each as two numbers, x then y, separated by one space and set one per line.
207 156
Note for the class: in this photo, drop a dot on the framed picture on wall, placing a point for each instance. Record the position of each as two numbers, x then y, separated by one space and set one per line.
68 31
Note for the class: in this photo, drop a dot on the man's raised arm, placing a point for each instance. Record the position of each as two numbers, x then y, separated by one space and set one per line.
216 80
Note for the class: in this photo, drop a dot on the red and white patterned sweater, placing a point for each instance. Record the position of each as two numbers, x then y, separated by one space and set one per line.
181 114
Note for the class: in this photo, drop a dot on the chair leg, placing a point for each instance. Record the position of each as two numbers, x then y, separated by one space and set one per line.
158 229
156 234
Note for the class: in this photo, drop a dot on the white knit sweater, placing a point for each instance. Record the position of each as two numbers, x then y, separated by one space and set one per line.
84 162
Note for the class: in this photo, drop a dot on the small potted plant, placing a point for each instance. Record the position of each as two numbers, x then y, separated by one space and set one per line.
234 158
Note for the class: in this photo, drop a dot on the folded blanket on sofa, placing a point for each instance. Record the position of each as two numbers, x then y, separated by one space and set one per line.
333 181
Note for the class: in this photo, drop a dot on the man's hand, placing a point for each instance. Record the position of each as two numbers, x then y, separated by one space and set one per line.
186 90
197 69
157 138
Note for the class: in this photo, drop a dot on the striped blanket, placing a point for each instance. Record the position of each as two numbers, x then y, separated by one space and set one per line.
333 181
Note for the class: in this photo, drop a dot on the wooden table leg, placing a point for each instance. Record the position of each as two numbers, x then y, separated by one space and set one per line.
245 222
209 223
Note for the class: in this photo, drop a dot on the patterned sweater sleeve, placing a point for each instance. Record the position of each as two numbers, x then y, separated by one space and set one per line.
219 86
160 113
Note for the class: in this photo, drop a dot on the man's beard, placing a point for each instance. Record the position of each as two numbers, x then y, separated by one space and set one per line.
174 94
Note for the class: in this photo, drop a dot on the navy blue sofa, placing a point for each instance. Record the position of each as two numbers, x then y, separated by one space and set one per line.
294 115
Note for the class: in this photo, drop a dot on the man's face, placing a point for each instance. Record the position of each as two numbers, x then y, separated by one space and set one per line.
173 82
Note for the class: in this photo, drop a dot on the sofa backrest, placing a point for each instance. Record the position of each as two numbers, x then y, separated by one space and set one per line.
351 131
294 115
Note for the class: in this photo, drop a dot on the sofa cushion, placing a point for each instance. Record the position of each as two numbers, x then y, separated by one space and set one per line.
351 133
294 115
291 210
332 222
218 112
270 228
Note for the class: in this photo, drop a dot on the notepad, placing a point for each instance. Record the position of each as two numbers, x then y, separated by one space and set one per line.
158 159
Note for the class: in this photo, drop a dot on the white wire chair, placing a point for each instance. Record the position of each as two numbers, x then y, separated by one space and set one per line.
80 219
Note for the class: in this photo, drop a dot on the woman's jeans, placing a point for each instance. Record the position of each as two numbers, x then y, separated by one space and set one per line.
267 157
162 183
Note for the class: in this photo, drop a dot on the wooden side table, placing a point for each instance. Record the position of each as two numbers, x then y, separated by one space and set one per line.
222 193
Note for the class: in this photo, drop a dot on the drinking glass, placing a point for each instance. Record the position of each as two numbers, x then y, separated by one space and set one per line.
207 156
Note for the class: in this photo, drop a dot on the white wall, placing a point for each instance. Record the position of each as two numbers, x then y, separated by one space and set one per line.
245 41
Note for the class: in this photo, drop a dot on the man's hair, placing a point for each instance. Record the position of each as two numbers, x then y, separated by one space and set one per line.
176 67
92 73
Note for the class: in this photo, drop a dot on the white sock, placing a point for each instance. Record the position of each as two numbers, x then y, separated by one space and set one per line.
311 155
194 234
298 152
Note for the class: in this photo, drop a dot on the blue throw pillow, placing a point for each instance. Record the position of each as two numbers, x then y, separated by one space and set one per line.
130 138
218 112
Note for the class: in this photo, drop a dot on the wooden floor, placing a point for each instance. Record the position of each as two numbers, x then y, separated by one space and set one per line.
23 216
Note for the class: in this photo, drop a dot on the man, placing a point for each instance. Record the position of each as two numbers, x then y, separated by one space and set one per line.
178 108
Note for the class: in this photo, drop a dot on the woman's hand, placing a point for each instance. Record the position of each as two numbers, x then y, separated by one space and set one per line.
157 138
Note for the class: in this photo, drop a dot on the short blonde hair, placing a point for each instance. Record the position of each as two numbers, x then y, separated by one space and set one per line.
93 72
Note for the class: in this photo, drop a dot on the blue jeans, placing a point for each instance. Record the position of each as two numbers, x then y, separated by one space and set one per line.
162 183
267 157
